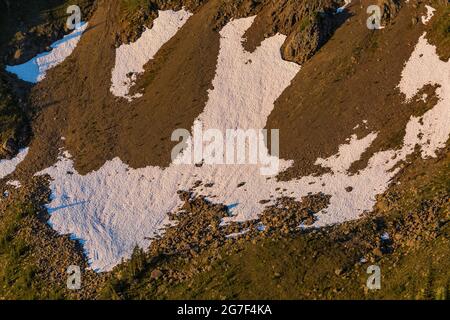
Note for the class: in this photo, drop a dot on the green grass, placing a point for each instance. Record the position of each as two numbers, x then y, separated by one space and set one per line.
20 276
15 277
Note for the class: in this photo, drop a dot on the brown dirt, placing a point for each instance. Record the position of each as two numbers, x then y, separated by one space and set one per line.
28 28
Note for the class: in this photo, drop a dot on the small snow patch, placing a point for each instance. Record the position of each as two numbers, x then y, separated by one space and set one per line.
131 58
237 234
14 183
431 131
430 14
348 154
35 70
9 166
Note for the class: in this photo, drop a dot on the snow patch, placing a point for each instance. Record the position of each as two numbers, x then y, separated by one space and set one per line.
431 131
430 14
131 58
9 166
116 208
15 183
35 70
348 154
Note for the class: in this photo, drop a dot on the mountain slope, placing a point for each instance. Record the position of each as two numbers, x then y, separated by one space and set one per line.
361 114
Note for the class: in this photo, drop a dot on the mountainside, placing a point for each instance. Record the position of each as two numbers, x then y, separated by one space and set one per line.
342 109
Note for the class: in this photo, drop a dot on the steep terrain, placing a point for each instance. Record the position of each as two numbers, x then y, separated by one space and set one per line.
27 30
363 117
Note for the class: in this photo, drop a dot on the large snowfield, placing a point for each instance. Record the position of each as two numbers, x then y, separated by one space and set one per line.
116 208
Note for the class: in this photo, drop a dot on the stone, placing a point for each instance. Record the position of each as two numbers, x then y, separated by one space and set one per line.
156 274
9 147
18 54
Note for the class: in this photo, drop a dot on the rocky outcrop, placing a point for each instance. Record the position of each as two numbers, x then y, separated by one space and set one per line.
390 9
8 149
308 27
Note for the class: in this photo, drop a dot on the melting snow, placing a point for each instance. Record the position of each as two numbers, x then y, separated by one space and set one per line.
430 14
9 166
35 69
348 154
131 58
16 184
431 131
115 208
